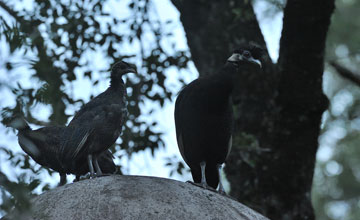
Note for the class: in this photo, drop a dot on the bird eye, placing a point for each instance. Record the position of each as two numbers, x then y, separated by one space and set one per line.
246 54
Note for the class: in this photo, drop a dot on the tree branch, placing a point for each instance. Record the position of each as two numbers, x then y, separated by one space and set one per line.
302 47
346 73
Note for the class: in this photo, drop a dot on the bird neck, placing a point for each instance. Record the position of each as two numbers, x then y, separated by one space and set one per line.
19 124
116 83
225 78
26 127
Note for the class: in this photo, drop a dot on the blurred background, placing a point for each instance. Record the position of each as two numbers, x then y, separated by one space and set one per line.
56 55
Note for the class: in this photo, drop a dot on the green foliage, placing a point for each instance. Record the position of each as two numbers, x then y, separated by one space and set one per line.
16 195
246 154
177 167
248 149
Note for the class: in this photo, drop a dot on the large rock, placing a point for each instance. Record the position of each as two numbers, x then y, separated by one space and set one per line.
137 197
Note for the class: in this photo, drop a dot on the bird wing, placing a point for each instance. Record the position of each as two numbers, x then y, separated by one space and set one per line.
78 133
229 146
73 141
99 100
81 144
180 130
99 120
177 116
179 139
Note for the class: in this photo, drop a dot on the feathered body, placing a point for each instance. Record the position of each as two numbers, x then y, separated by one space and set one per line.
204 119
99 123
204 122
43 146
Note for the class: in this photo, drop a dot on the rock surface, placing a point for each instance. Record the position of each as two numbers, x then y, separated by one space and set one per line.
137 197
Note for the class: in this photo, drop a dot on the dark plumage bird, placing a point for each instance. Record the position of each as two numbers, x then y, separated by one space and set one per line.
204 117
97 125
43 146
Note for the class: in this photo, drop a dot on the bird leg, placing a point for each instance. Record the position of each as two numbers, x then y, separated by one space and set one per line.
97 167
91 168
203 179
62 179
221 187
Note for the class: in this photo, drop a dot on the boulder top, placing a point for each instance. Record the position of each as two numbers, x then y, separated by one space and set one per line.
137 197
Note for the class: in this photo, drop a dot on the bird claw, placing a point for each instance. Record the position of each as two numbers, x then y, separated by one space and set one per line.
221 192
85 177
195 184
204 186
98 175
103 174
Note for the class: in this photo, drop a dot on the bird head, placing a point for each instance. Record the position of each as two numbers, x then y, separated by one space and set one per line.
246 55
120 68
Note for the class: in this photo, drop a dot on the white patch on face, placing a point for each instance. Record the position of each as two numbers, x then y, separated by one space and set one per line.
235 57
258 62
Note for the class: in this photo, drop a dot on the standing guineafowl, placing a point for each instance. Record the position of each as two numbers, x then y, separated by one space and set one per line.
43 146
97 125
204 117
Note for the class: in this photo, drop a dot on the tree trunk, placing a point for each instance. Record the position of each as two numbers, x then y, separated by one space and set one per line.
279 110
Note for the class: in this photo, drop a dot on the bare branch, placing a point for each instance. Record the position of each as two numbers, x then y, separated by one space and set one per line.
346 73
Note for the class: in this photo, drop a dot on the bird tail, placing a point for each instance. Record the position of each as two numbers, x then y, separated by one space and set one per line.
19 123
26 138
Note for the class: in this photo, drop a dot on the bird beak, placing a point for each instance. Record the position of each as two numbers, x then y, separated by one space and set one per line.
236 57
132 69
252 60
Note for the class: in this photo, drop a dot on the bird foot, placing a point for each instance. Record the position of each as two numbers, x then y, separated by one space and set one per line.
204 186
98 175
195 184
103 174
85 177
222 192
